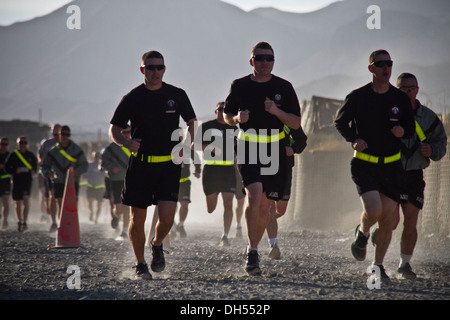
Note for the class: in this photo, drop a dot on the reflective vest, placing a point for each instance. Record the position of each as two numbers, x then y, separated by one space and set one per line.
65 154
25 162
126 151
420 133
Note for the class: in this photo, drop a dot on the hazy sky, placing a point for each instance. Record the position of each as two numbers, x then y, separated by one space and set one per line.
21 10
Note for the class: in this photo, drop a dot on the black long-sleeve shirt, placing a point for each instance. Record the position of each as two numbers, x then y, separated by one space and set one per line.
370 116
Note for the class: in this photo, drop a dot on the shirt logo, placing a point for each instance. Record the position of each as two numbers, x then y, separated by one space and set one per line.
394 114
170 106
278 99
395 110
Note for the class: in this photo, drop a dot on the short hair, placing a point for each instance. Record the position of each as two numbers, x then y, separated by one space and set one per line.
151 54
219 105
406 75
376 53
262 45
21 138
65 128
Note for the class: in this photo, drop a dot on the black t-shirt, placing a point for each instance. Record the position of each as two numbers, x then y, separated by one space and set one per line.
13 162
153 116
218 135
246 94
3 157
372 117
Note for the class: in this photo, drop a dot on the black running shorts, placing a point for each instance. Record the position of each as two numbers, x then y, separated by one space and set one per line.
217 179
5 187
147 183
184 193
415 186
21 188
116 191
59 189
388 179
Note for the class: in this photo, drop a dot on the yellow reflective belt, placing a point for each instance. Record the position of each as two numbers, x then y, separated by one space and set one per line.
219 162
100 186
184 179
25 162
375 159
127 152
5 176
260 138
288 130
420 133
152 159
66 155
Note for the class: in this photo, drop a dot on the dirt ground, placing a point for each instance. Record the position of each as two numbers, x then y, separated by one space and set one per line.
315 265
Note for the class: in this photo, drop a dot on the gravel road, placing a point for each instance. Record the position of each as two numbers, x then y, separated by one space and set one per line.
315 265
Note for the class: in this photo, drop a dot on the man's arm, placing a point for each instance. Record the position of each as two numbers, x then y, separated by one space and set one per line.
291 120
192 126
234 119
115 133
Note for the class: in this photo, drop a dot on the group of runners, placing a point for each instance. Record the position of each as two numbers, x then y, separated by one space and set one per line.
248 153
265 108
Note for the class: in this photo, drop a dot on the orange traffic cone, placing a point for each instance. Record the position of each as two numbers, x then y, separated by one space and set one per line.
68 233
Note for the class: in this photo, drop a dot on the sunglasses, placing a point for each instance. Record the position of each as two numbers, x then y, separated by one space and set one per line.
4 143
408 89
23 142
263 57
64 134
382 63
154 67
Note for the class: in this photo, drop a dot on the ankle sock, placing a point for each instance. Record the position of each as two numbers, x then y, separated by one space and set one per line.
404 259
272 241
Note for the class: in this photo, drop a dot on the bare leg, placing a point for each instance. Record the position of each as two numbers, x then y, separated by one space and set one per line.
137 233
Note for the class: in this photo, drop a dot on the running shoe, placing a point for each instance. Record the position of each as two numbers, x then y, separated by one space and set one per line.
239 232
142 271
274 252
182 231
53 227
124 234
252 266
224 242
373 236
114 222
359 245
158 262
384 277
407 272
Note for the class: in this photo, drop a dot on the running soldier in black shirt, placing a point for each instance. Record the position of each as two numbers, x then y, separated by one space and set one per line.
261 103
217 140
5 181
374 118
295 143
21 165
153 110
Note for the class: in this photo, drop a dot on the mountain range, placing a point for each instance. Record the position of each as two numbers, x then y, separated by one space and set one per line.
52 73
